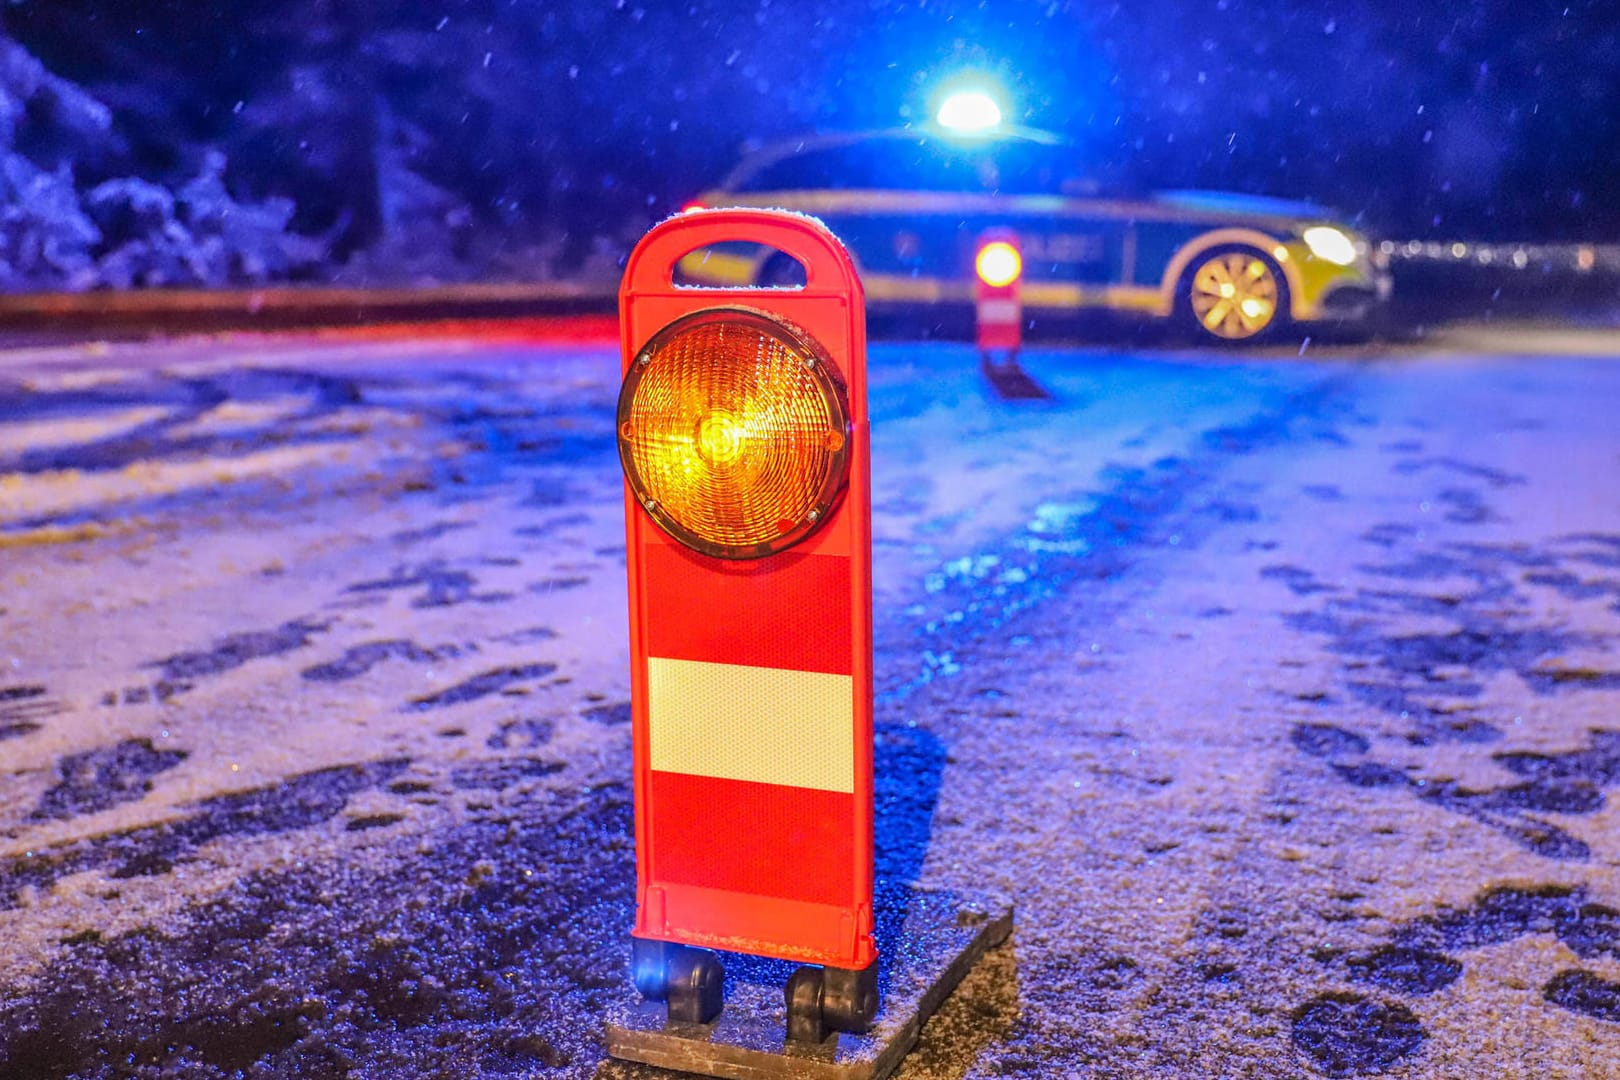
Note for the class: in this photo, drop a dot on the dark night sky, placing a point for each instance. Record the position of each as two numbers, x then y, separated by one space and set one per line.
1443 118
1495 119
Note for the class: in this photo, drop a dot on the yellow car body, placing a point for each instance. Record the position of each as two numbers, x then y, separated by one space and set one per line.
910 207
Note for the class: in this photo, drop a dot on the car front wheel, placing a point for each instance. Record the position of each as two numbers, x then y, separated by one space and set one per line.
1233 294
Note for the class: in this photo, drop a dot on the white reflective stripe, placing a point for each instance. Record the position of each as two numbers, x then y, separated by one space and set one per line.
999 311
767 725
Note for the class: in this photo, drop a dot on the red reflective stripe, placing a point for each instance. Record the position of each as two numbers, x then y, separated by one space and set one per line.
790 610
763 839
1000 316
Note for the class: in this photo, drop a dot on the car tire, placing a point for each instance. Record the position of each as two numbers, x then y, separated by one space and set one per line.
1233 295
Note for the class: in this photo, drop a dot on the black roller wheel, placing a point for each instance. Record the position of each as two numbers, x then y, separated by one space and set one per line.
805 1020
691 981
824 1000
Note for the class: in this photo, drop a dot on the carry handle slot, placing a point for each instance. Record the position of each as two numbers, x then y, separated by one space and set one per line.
760 267
827 267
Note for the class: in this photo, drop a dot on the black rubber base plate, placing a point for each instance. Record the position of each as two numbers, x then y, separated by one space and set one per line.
926 949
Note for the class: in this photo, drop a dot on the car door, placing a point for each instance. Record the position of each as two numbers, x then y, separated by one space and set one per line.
1074 245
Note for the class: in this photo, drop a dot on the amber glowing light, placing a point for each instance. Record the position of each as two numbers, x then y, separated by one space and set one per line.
998 264
733 430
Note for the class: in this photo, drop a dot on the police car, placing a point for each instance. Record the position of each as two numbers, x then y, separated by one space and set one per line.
910 204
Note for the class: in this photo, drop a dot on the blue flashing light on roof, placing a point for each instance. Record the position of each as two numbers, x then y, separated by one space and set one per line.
968 112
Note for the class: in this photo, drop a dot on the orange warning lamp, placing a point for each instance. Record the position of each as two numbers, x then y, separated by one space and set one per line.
999 264
998 295
742 430
733 430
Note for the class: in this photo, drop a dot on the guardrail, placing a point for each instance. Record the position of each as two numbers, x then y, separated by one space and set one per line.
1547 258
293 305
1434 281
1452 281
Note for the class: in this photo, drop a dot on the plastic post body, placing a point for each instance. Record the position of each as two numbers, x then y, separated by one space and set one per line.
999 308
751 678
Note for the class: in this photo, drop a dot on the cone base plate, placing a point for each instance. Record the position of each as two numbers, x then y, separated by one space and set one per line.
931 947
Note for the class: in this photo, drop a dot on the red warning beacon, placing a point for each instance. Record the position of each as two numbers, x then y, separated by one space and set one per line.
998 267
742 430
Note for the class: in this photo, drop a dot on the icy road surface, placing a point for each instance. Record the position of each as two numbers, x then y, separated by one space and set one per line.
1282 695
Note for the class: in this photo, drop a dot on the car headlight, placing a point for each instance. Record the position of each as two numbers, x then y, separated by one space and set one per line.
1330 245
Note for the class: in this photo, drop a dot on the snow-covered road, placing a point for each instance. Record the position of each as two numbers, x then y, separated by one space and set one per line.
1282 695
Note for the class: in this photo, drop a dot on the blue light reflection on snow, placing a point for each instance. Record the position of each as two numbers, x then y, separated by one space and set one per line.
1097 535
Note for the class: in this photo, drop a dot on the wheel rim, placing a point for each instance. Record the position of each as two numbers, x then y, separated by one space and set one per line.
1234 295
